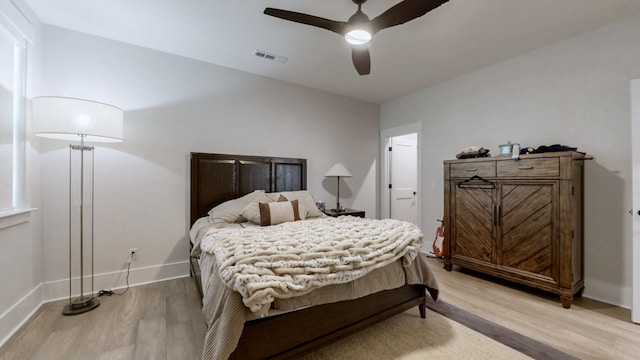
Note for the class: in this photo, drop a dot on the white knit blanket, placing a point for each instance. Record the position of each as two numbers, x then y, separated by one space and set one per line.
291 259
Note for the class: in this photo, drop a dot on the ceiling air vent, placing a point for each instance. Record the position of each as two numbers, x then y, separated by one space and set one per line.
272 57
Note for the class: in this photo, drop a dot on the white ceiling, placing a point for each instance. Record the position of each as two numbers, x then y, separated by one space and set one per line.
459 37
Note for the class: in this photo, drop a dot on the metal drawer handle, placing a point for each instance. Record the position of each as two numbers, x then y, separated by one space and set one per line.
475 169
495 215
525 168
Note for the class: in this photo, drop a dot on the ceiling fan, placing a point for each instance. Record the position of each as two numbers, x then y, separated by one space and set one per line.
359 29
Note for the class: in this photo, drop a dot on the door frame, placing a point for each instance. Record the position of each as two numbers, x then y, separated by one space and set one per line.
635 176
385 136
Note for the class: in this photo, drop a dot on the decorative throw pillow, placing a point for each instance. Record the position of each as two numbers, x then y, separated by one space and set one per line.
278 212
252 212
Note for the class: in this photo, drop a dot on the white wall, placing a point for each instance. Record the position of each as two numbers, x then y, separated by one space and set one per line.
174 106
576 93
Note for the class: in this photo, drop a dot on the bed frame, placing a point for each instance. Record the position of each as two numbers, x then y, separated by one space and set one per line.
216 178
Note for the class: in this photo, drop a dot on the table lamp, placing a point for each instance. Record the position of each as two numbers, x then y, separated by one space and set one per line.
338 170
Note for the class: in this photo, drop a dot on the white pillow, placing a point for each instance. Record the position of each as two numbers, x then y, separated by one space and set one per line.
230 211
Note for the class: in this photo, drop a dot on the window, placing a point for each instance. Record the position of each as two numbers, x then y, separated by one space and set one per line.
12 123
7 74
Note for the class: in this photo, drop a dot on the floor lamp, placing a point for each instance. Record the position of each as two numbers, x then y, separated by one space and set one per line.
338 171
80 121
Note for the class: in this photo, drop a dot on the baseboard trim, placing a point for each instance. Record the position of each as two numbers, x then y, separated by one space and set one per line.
19 313
615 295
56 290
59 289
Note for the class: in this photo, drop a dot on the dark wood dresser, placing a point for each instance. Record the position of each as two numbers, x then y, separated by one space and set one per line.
520 220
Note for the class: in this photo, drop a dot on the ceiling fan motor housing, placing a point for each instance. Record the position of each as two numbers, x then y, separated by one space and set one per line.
359 21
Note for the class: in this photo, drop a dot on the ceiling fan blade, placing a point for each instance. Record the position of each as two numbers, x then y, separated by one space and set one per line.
361 59
403 12
331 25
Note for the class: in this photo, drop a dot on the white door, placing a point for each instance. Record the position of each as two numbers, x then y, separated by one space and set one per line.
635 155
403 177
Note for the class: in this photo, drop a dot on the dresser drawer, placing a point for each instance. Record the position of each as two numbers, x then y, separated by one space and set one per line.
468 169
545 167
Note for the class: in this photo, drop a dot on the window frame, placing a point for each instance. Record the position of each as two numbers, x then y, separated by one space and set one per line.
19 211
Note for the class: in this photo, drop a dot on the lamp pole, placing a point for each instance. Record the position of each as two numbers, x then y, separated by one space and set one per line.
338 208
82 303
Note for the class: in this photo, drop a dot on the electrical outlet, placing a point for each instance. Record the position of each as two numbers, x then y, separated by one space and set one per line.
133 253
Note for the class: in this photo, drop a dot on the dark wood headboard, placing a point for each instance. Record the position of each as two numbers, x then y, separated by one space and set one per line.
216 178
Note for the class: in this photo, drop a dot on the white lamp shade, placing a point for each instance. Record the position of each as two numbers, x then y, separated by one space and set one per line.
70 119
338 170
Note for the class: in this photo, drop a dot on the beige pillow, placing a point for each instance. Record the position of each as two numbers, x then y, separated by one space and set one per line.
251 212
274 213
230 211
305 199
301 208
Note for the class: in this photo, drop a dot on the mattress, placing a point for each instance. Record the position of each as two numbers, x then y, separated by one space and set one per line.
225 313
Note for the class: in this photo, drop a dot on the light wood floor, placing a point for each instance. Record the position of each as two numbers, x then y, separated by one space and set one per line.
163 321
588 330
155 321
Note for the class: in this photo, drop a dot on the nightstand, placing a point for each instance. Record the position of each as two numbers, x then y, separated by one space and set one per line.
352 212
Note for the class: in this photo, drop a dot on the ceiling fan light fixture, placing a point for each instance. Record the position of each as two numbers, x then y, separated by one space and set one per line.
357 37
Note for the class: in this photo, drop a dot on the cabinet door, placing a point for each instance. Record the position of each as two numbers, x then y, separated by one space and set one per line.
472 224
526 232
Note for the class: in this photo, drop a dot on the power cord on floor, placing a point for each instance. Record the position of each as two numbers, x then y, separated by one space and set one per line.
110 292
105 292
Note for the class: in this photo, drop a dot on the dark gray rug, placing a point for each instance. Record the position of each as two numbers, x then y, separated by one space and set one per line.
514 340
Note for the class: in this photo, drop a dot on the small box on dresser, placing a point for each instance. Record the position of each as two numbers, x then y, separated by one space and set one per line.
352 212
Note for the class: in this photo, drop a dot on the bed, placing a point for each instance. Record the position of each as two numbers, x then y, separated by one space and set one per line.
290 331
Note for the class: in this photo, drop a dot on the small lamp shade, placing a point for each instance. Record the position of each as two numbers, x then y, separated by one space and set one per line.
338 170
72 119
